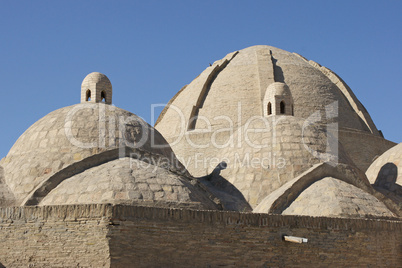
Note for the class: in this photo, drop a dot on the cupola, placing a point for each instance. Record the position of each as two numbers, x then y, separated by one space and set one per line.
278 100
96 88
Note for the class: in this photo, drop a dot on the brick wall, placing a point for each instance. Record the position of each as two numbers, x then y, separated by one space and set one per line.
58 236
185 238
132 236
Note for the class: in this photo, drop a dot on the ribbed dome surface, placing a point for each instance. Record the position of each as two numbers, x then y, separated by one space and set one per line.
244 76
201 118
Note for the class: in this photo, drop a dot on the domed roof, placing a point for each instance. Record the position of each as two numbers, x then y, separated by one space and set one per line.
279 88
73 134
202 116
130 181
265 161
99 79
243 77
330 197
96 87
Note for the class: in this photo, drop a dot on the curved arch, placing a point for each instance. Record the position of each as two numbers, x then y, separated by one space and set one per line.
88 95
282 107
103 96
342 172
269 108
205 90
53 181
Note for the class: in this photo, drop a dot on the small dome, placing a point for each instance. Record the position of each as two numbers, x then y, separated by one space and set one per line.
132 182
279 89
96 87
331 197
278 100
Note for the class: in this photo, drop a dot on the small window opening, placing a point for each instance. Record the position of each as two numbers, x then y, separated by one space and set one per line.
293 113
269 108
282 106
88 97
103 96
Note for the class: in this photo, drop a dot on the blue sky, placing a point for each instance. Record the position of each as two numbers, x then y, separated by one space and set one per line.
150 49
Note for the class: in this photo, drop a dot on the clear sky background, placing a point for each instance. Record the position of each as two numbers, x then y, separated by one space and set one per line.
150 49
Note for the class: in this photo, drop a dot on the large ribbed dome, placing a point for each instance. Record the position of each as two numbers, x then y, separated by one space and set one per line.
244 76
226 95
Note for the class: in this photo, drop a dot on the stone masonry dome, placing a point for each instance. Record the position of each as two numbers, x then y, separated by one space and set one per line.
279 88
72 134
274 118
245 75
240 86
72 139
96 87
278 100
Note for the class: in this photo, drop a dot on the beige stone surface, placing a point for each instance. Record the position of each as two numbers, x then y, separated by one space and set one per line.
73 155
276 94
385 174
239 82
393 157
349 95
283 197
6 196
130 181
99 187
71 134
236 94
95 88
363 147
270 157
331 197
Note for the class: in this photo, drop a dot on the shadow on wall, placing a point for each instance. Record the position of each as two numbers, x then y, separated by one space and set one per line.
230 197
386 178
386 183
6 197
278 73
1 265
